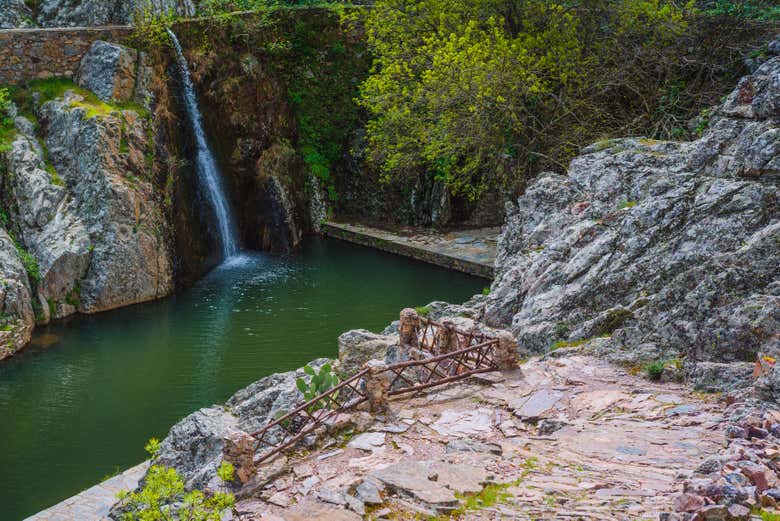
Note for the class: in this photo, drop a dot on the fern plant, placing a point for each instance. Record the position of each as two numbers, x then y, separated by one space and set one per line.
320 382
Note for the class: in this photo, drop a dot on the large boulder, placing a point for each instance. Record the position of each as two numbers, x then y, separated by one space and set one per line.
669 248
358 346
195 445
109 70
16 312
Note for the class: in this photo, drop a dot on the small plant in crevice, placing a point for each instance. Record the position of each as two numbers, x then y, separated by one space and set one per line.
654 370
319 382
152 447
163 496
423 311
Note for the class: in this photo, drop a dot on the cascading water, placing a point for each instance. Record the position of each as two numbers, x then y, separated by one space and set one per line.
205 164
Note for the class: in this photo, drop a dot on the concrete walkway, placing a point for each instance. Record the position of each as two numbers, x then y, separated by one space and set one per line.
94 503
470 251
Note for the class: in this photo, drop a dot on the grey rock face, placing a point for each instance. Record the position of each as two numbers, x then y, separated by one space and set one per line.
16 313
93 224
102 162
194 445
108 70
358 346
668 247
14 13
74 13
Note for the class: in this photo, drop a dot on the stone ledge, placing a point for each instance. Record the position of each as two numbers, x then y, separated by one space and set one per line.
451 250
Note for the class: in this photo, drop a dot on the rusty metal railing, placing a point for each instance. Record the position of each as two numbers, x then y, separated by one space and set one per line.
444 354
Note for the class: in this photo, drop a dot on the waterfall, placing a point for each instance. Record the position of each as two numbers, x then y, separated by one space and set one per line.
206 166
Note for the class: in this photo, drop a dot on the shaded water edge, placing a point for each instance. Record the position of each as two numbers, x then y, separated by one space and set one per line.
81 401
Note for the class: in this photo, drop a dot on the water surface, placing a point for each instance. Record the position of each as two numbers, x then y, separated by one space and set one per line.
80 403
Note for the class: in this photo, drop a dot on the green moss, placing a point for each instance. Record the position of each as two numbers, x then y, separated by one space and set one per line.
562 329
423 311
563 344
626 205
615 318
53 175
654 370
52 88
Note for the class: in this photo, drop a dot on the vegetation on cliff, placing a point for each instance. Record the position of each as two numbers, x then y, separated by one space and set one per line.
480 95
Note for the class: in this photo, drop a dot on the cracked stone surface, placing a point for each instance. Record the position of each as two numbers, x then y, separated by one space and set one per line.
615 452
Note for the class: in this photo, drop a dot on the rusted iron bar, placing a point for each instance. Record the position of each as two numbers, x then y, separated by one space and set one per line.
311 402
443 381
468 359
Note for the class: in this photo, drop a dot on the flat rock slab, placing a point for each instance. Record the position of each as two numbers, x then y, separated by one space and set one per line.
432 482
536 404
94 503
470 251
368 441
457 423
311 510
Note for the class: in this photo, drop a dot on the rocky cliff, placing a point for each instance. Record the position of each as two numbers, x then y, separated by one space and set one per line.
79 197
665 250
82 13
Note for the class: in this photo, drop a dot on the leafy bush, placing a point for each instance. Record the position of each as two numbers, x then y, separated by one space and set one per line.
6 123
479 95
750 9
163 497
320 381
163 489
654 370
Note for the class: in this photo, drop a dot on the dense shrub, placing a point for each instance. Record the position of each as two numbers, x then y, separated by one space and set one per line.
480 94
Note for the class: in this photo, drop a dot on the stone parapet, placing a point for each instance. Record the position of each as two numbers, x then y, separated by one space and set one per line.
28 54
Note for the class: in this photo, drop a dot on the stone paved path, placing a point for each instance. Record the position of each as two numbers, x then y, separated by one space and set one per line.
94 503
471 251
563 438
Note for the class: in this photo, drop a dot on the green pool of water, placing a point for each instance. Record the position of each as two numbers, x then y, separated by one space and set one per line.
79 403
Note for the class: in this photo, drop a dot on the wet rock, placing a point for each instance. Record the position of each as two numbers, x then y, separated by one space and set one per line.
358 346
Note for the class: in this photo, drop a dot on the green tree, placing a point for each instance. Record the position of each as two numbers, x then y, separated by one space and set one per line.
473 93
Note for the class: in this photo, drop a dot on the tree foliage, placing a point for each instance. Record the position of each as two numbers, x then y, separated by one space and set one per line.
474 94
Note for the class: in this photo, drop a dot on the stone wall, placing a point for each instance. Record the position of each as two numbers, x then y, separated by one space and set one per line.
27 54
